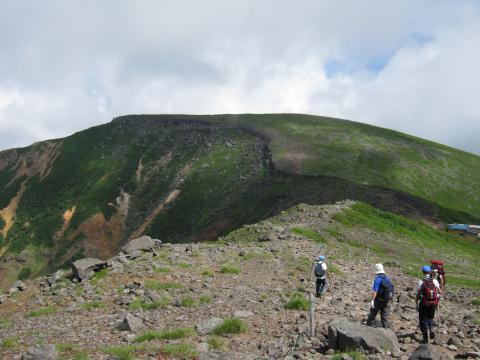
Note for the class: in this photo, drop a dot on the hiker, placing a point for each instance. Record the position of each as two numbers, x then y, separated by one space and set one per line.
426 303
321 276
382 293
434 274
437 265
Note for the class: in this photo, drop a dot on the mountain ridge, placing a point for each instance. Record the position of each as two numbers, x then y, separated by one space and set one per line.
190 178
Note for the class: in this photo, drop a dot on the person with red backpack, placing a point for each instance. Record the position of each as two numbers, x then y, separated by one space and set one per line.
439 271
426 303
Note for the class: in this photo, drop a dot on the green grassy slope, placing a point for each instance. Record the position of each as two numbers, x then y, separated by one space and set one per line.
188 178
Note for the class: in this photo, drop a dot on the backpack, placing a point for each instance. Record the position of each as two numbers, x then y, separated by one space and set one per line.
386 291
441 271
319 272
429 293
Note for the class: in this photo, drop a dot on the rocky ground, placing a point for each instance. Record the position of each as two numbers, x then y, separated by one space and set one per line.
195 287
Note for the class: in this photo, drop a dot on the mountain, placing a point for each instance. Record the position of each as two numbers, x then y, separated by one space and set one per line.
185 178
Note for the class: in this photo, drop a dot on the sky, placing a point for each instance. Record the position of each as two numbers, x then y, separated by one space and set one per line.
409 65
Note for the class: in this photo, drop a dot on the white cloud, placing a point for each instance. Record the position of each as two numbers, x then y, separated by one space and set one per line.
404 65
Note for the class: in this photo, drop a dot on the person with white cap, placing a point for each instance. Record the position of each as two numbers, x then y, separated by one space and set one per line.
320 270
382 293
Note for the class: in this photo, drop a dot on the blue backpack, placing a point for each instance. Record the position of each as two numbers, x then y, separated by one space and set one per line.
387 290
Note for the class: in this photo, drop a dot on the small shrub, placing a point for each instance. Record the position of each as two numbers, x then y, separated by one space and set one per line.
297 302
24 273
40 312
229 269
184 351
93 305
215 342
173 334
230 326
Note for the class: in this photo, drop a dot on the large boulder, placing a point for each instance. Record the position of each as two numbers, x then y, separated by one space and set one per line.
428 352
345 335
144 243
83 268
41 352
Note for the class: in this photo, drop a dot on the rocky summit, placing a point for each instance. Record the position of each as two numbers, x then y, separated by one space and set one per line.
244 296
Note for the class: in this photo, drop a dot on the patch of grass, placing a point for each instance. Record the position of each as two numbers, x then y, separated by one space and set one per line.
355 355
9 342
41 312
184 351
462 281
184 265
172 334
205 299
93 305
229 269
215 343
162 270
310 234
334 270
187 302
476 302
207 272
138 304
124 352
158 285
80 355
99 275
66 347
5 323
297 302
230 326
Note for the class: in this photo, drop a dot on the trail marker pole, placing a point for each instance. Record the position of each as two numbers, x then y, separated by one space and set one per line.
312 314
368 253
349 253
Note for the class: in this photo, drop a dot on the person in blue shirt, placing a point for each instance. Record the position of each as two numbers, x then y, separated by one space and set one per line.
382 292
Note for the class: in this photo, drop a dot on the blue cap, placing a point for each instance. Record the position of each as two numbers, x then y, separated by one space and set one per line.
426 269
321 258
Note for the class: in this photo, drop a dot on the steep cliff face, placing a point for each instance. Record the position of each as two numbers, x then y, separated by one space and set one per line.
191 178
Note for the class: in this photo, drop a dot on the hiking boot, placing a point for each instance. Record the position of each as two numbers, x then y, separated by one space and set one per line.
424 339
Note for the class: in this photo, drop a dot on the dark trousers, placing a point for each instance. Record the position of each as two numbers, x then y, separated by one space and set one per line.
321 286
426 315
382 307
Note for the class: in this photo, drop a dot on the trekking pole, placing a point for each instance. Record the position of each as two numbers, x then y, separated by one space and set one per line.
312 314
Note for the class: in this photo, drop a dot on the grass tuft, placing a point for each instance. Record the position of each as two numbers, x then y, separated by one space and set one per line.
173 334
229 269
230 326
41 312
297 302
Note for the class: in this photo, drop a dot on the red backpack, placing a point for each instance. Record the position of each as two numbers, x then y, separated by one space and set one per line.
429 293
441 271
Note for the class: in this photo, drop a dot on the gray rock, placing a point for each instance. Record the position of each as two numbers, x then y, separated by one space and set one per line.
344 335
84 268
202 347
427 352
128 322
144 243
205 327
19 285
52 279
41 352
242 314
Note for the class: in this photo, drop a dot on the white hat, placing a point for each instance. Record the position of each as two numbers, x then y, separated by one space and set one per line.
379 269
